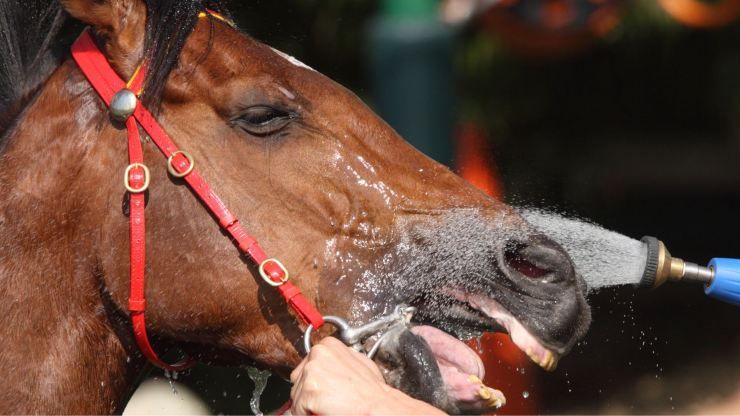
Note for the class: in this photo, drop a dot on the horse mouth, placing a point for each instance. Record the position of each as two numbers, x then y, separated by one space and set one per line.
469 314
461 370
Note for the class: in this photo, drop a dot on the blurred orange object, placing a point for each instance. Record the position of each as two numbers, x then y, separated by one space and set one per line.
474 161
507 368
700 14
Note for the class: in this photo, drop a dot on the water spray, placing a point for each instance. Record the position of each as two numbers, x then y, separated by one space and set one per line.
721 277
606 258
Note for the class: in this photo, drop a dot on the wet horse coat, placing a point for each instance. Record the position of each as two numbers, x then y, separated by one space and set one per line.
363 221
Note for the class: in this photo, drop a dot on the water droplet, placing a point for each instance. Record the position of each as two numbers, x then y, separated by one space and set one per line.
525 394
172 387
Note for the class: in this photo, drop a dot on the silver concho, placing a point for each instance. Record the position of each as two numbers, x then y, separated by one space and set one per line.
123 104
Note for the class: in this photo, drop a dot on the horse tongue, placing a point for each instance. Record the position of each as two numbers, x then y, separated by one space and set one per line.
461 370
432 366
451 351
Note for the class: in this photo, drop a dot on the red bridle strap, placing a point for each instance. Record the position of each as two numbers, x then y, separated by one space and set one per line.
94 65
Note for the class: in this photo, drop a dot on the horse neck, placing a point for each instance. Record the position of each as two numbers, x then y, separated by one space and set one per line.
64 344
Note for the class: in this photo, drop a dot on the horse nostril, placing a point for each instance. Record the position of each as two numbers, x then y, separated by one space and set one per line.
516 259
536 260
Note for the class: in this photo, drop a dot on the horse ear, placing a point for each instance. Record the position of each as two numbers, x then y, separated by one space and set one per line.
107 16
121 23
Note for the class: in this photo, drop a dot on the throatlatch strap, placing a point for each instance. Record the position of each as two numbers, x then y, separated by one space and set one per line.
107 83
137 179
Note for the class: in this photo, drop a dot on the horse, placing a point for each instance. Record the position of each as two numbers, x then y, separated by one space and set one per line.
363 221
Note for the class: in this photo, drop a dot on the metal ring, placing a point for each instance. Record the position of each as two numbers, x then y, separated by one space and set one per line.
267 277
127 183
377 345
171 168
338 323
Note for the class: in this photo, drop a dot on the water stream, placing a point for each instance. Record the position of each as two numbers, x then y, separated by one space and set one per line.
259 378
602 257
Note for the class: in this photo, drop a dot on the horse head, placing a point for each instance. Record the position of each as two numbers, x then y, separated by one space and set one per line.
363 221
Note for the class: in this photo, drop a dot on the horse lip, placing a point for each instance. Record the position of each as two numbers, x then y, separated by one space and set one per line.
459 315
539 351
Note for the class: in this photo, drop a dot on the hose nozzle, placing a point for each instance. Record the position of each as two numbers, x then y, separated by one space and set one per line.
661 267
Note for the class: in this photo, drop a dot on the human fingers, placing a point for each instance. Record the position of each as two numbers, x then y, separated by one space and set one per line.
313 355
296 373
363 360
344 358
314 386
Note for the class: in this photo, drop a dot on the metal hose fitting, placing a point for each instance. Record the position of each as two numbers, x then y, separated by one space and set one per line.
660 267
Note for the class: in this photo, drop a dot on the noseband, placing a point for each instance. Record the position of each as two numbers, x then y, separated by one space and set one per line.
122 99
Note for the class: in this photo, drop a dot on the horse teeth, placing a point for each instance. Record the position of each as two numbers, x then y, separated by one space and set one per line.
496 402
546 360
485 393
549 362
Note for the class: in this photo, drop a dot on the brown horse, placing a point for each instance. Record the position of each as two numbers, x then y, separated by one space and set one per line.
363 221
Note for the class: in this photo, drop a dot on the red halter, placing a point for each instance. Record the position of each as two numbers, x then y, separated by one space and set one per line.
107 83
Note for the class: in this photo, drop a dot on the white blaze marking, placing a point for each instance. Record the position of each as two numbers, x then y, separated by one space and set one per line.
292 60
287 93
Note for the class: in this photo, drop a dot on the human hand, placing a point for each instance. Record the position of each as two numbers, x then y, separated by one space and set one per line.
335 379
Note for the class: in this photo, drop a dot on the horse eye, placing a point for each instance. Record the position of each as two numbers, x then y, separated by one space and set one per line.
262 120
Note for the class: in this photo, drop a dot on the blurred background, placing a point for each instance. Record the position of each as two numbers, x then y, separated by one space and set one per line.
623 112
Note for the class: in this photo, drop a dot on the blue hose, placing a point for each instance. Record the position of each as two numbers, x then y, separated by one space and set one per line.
726 283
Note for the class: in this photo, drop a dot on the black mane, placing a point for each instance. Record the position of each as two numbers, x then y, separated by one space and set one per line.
27 32
34 40
169 22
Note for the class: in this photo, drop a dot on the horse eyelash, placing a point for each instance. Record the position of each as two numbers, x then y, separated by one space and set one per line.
240 122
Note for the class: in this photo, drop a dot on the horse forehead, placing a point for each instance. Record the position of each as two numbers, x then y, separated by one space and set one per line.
292 60
249 57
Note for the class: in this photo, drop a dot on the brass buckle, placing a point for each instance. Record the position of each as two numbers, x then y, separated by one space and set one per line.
127 183
267 277
171 168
